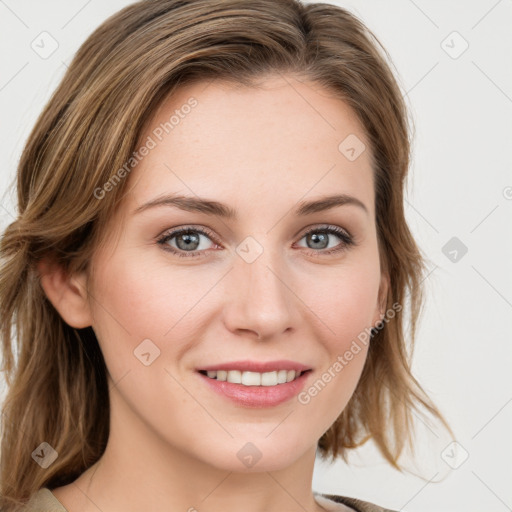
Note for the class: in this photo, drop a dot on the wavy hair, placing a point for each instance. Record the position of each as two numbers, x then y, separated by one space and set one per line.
57 388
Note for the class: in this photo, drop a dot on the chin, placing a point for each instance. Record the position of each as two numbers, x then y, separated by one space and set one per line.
256 455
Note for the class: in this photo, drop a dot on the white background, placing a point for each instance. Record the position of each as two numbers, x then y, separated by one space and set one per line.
461 186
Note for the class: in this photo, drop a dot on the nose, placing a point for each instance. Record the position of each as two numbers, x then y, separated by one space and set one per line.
260 298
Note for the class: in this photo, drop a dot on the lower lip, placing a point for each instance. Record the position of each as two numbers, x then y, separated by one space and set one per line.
257 396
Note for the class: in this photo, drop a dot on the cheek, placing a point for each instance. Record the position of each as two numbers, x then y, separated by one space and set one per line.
343 299
341 303
143 298
352 307
135 300
343 310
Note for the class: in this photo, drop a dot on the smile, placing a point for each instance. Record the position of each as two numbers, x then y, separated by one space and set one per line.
247 378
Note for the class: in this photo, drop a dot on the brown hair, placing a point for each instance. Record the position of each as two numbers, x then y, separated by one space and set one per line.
57 387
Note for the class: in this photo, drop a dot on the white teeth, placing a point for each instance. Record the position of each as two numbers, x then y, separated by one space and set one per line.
254 378
251 379
269 379
234 376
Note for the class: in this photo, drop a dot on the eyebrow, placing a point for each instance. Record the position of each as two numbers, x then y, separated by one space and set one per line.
210 207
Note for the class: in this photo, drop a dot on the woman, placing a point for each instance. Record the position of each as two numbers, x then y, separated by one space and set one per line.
207 276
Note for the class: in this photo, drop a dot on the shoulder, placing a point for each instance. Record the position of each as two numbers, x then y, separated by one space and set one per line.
43 500
356 504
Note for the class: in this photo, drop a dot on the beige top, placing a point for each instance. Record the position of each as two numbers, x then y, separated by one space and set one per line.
45 501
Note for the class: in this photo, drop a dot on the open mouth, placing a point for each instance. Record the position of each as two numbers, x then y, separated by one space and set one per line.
247 378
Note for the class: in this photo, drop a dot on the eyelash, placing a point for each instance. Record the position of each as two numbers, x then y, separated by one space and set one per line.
347 240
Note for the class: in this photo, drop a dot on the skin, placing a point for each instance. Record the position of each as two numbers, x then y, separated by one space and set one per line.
173 442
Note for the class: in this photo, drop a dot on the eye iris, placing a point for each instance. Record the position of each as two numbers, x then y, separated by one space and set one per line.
322 238
189 238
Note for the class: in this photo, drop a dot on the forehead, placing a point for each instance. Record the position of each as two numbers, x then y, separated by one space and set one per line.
253 147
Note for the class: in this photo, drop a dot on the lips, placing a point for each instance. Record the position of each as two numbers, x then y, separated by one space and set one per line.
256 395
256 366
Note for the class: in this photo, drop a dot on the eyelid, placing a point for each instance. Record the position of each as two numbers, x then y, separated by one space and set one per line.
170 233
319 227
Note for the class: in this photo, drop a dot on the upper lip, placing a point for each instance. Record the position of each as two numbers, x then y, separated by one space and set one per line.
257 366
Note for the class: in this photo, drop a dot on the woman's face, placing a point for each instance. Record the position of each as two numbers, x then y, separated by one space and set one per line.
289 276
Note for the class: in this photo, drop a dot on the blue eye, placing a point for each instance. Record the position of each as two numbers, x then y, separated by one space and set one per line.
188 240
320 236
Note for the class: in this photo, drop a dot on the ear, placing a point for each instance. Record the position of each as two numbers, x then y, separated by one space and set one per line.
68 294
380 309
